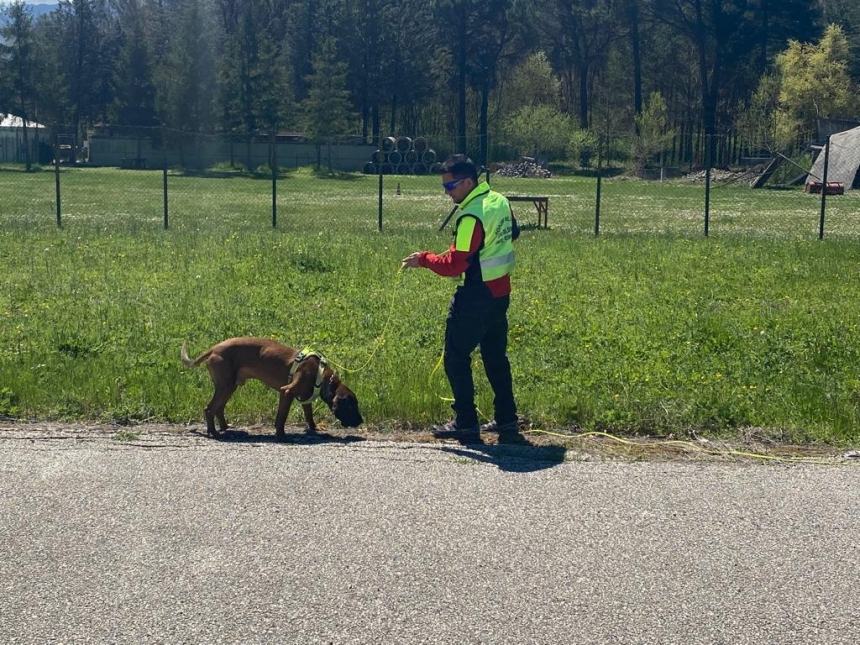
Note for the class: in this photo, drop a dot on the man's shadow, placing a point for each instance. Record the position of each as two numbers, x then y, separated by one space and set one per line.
513 453
299 437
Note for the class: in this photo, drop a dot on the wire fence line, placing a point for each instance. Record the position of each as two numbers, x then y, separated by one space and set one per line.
149 175
151 147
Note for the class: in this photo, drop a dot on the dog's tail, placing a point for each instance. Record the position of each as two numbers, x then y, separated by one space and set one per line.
187 361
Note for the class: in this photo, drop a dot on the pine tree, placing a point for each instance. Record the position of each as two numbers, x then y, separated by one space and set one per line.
274 99
326 110
17 66
368 51
188 75
846 14
254 71
134 102
237 70
578 35
83 59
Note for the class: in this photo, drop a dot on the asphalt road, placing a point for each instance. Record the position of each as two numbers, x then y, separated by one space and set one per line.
177 538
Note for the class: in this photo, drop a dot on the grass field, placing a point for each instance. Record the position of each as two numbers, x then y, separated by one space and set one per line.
649 328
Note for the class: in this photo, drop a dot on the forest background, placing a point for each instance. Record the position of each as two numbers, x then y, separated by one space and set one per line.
495 79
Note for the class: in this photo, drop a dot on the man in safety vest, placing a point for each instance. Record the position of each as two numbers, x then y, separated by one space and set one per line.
482 252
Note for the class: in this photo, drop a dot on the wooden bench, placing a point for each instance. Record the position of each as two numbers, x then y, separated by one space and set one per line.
541 204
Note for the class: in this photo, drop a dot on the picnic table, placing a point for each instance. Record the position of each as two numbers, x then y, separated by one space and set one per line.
540 202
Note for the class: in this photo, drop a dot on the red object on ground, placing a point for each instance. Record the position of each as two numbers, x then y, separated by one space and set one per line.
833 188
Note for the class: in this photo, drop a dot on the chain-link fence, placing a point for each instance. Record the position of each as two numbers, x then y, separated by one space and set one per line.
603 184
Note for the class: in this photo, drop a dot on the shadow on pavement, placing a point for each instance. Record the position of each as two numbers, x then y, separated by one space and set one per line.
293 438
514 453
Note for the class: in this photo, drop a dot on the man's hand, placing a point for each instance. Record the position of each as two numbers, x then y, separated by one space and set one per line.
411 261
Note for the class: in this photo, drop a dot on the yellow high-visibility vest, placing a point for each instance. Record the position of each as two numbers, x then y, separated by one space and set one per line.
496 256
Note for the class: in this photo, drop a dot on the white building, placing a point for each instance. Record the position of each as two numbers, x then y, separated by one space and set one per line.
12 138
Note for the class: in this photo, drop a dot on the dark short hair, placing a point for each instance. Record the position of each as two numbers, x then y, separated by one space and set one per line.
460 166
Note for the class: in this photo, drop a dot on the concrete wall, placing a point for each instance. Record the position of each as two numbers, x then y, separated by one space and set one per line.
203 152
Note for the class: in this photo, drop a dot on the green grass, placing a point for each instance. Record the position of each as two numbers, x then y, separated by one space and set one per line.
649 328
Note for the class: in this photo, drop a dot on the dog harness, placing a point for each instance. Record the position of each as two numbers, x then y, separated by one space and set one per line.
300 358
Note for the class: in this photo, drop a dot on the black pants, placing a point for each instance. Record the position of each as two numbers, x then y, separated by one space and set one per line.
476 318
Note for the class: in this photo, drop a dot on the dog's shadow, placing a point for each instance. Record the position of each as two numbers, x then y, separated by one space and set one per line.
516 455
300 437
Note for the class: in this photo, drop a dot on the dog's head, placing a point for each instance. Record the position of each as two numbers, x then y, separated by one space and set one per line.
345 407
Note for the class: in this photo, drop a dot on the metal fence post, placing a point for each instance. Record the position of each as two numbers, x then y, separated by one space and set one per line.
599 177
824 189
274 161
379 216
164 174
57 180
164 184
709 142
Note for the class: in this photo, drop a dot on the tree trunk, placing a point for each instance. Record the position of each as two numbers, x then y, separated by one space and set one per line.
79 66
765 36
567 90
374 115
709 82
461 85
485 106
673 158
633 19
583 96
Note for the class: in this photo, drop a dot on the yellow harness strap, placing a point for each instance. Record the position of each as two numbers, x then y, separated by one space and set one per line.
300 358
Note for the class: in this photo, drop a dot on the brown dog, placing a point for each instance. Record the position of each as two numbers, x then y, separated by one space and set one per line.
294 375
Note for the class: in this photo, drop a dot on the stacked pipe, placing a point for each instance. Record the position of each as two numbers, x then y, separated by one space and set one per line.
402 156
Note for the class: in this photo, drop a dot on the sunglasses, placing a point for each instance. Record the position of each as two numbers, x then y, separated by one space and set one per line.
451 185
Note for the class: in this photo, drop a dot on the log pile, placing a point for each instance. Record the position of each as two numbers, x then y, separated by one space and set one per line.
525 167
720 175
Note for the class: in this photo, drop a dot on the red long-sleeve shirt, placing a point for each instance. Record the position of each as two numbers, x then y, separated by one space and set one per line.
454 262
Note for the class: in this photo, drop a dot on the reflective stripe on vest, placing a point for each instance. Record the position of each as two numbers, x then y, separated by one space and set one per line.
492 209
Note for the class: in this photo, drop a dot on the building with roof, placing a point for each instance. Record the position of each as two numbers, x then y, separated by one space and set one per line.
12 139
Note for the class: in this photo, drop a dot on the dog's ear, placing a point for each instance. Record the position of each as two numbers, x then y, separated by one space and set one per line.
345 408
341 389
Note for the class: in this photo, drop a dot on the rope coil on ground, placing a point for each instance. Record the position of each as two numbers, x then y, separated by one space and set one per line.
731 452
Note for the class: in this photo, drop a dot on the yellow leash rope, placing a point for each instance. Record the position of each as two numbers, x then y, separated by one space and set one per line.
380 340
689 445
